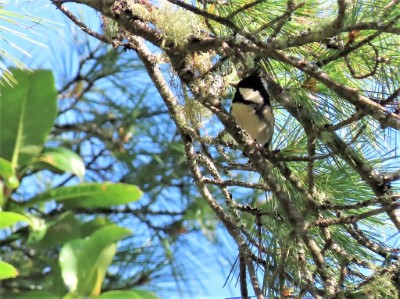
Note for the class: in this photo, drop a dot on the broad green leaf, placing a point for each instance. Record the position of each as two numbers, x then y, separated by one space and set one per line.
135 294
38 229
92 284
10 218
28 110
61 160
90 227
6 168
8 180
146 294
36 295
106 195
7 173
2 197
60 231
84 262
70 296
90 195
69 256
96 256
57 286
7 271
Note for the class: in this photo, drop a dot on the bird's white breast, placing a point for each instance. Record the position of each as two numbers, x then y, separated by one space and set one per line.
246 118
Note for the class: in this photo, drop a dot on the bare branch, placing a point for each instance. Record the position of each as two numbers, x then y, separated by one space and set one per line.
338 23
80 24
355 217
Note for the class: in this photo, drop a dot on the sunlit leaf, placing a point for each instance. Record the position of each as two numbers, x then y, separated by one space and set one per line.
90 227
7 173
31 110
90 195
7 270
36 295
96 256
84 262
64 228
135 294
61 160
10 218
69 256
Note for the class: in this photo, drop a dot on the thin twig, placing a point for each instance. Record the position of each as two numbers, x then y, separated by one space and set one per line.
290 8
254 279
279 19
206 14
361 238
80 24
311 140
355 217
348 49
243 8
371 73
353 118
361 204
339 21
390 98
243 276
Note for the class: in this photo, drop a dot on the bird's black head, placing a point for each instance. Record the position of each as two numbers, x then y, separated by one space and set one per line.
255 82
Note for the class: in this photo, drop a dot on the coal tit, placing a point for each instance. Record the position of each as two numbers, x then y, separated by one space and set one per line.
251 108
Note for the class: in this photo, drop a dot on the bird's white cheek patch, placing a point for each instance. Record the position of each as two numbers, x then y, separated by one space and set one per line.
251 95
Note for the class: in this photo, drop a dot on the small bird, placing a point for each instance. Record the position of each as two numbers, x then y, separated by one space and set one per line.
251 108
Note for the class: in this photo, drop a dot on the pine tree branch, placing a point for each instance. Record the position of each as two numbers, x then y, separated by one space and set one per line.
355 217
338 23
329 32
361 238
243 276
362 204
336 144
253 278
383 116
391 98
290 8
